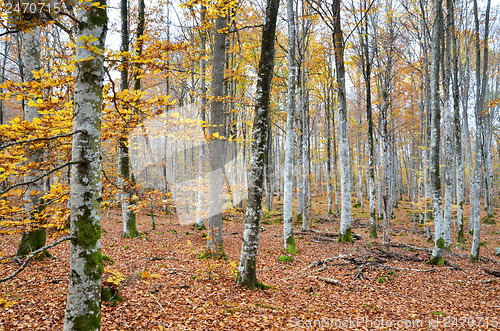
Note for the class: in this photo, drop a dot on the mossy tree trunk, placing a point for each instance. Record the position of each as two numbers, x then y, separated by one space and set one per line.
83 305
260 152
437 256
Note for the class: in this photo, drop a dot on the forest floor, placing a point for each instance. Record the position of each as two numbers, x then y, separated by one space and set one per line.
352 286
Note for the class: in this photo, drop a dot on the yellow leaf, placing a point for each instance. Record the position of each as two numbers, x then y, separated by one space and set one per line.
31 103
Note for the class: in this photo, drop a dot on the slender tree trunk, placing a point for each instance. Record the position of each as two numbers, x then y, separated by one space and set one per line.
437 256
448 136
460 170
481 89
83 305
33 238
260 139
200 205
345 234
216 144
289 240
369 118
128 213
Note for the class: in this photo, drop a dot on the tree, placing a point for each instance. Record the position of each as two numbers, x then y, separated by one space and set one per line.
437 33
481 85
345 177
128 211
260 140
289 240
34 238
216 134
83 305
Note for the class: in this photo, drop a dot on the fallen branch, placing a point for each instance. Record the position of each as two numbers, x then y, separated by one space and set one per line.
158 302
495 273
33 254
328 280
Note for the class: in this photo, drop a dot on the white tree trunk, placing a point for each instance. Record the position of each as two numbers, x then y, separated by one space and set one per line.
289 240
83 305
345 176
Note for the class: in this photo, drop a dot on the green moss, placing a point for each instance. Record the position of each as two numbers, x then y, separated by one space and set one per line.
31 241
89 321
208 254
106 258
440 243
347 237
436 260
87 232
285 258
290 245
93 265
489 219
474 258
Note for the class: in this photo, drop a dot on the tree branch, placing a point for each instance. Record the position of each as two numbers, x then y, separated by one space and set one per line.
37 178
41 139
33 254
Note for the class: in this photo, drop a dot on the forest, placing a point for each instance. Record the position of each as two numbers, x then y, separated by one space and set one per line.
249 165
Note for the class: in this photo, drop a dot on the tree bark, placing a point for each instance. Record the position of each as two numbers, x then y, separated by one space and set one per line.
289 240
216 144
345 234
34 237
260 140
481 89
83 306
437 256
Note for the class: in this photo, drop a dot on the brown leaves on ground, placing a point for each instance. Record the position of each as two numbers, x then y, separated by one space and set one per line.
350 286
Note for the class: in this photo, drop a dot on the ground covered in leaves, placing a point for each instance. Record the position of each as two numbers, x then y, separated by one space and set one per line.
328 285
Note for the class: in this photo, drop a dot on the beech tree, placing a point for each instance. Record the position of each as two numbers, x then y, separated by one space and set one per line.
83 304
289 240
345 234
437 256
260 140
32 239
216 135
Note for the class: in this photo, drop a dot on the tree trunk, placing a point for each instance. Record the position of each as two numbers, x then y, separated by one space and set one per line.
437 256
481 89
83 306
345 234
460 170
128 213
33 238
200 205
369 118
448 136
289 240
216 144
260 140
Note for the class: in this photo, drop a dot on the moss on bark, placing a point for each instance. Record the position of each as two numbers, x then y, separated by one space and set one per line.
290 245
31 241
436 260
346 237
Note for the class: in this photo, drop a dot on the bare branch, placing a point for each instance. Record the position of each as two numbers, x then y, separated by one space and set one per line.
37 178
41 139
33 254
